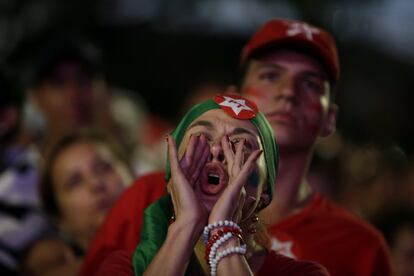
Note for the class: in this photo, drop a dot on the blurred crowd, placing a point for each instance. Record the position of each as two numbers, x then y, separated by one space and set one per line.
70 143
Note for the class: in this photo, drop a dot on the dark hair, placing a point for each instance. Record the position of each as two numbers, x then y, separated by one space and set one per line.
258 54
46 188
8 92
61 49
10 97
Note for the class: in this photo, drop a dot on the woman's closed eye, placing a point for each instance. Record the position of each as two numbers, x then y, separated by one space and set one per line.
236 141
205 134
102 166
313 84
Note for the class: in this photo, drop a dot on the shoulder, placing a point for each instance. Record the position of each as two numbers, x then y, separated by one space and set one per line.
281 265
340 216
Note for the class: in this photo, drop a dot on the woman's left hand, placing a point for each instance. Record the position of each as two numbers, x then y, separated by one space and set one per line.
231 201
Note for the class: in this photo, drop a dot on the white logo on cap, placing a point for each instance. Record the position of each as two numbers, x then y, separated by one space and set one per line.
302 28
237 105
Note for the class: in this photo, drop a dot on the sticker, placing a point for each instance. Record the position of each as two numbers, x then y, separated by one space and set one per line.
237 106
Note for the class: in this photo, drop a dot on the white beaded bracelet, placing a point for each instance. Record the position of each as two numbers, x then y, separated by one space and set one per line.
241 250
220 223
217 244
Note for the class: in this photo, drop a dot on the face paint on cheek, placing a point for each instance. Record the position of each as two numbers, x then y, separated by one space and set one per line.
253 92
316 107
313 128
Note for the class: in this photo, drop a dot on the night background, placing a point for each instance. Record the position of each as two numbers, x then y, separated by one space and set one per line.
162 49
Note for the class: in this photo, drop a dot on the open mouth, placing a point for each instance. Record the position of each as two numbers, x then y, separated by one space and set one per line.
213 179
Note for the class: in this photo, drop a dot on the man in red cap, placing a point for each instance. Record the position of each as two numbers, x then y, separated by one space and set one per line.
290 69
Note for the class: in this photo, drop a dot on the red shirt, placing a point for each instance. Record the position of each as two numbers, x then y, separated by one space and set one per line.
120 263
321 232
330 235
122 226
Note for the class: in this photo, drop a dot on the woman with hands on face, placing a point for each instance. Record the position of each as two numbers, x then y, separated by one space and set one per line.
221 168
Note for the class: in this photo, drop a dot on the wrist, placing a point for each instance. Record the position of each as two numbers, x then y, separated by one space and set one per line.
189 227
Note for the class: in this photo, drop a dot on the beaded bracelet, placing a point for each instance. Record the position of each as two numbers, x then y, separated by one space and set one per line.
241 250
211 251
220 233
221 223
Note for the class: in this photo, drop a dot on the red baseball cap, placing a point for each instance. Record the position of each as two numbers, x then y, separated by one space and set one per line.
290 32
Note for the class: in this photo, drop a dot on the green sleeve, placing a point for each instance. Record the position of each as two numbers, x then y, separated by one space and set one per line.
153 234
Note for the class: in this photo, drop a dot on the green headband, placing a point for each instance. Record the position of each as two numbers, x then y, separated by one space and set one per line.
267 139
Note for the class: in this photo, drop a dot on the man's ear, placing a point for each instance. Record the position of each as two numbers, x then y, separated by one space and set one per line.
330 120
231 89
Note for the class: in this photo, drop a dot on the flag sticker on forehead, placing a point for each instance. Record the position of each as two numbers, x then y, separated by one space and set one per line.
236 106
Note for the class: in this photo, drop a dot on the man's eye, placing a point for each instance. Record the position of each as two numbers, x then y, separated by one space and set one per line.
312 85
269 75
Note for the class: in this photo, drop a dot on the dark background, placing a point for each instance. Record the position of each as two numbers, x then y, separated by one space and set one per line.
161 49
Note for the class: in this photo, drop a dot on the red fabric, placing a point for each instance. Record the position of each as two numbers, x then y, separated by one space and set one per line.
122 227
322 232
276 264
120 263
330 235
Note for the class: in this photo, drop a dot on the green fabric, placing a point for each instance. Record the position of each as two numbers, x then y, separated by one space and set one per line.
153 233
157 215
271 152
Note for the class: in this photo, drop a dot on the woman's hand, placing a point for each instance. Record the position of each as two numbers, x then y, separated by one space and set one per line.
231 201
184 174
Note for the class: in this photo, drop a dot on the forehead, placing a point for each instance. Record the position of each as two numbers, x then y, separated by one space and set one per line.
292 59
81 147
218 120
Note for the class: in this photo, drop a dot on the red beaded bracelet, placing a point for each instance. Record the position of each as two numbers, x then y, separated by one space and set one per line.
220 233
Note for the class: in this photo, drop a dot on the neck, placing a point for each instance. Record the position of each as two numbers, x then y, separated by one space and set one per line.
292 191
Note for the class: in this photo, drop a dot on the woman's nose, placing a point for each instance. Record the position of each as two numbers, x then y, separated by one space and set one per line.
216 152
286 88
96 183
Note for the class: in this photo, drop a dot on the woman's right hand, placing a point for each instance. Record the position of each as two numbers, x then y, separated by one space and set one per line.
184 174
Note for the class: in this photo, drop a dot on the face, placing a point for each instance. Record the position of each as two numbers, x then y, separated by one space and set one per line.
292 90
87 180
67 96
214 125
